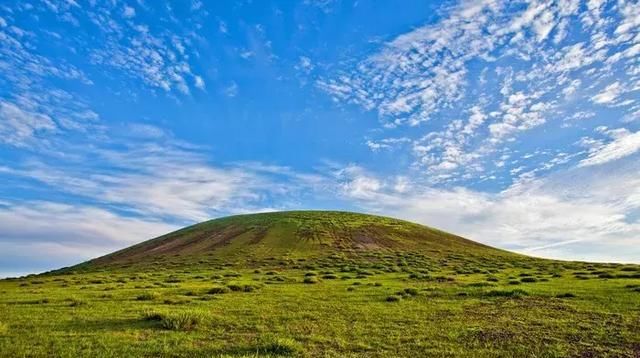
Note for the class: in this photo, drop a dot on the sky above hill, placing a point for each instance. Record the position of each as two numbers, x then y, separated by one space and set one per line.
513 123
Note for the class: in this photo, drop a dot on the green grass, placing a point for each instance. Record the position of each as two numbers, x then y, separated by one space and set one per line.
176 321
408 295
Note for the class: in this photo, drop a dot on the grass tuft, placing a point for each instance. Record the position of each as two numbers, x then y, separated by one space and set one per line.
218 290
310 280
411 291
278 346
236 288
148 296
566 295
175 321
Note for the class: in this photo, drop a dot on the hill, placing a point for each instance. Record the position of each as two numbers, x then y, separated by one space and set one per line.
321 284
293 235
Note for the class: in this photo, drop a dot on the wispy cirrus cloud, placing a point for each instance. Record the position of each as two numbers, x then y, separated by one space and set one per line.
21 65
154 55
149 173
31 109
622 143
18 126
30 119
486 75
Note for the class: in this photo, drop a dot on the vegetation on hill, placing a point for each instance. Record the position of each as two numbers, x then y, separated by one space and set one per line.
293 234
321 284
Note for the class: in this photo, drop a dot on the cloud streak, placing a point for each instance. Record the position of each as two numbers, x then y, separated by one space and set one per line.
68 234
486 75
160 178
623 144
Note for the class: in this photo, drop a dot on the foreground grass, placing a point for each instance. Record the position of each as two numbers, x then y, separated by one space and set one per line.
384 303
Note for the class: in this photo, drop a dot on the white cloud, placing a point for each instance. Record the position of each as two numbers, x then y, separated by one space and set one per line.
304 64
624 143
357 183
32 119
231 90
572 87
19 127
160 59
188 191
29 107
144 131
196 5
386 143
222 27
424 72
518 112
68 234
23 67
490 75
86 226
128 12
631 17
199 82
162 183
609 94
632 116
144 170
246 54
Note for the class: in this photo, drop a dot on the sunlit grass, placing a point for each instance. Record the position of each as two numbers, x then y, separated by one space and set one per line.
406 300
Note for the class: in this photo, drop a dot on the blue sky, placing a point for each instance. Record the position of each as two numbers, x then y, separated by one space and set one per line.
514 123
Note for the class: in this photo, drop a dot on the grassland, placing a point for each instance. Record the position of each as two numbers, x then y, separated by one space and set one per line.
321 284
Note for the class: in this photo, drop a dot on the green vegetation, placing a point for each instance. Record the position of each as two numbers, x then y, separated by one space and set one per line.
321 284
176 321
148 296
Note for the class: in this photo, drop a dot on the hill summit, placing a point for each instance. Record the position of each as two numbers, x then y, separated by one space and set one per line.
295 234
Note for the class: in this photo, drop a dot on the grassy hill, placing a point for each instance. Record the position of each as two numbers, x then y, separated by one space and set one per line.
293 234
321 284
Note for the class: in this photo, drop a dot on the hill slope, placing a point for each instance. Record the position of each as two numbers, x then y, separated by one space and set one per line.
295 234
321 284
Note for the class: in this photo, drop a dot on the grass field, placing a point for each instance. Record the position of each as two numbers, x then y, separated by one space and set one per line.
321 284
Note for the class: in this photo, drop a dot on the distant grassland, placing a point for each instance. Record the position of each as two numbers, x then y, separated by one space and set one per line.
321 284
